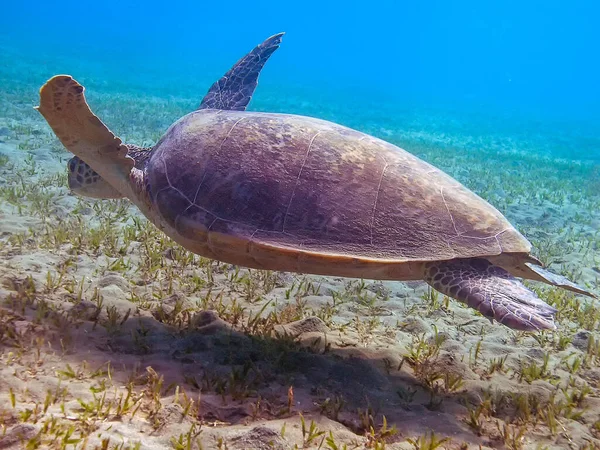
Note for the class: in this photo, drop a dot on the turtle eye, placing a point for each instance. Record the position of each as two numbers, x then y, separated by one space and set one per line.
72 165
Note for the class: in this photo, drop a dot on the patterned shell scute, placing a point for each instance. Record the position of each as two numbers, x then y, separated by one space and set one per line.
302 183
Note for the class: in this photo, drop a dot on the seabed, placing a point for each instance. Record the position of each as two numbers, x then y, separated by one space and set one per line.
114 337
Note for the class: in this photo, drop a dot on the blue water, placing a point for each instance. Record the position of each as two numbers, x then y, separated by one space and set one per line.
510 69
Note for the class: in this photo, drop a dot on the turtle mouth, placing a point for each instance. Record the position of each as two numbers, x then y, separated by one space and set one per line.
73 183
72 180
80 175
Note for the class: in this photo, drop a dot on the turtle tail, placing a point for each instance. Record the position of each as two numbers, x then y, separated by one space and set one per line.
537 273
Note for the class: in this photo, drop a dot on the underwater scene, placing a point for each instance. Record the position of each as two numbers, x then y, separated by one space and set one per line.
305 225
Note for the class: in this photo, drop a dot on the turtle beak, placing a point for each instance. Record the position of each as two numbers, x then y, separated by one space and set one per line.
73 184
72 174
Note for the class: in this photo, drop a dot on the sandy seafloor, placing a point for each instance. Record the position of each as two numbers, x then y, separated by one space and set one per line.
112 336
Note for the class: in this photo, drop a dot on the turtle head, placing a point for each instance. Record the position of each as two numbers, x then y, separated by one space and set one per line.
85 181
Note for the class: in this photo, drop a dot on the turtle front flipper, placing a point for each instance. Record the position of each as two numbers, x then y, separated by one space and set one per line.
234 90
64 107
492 291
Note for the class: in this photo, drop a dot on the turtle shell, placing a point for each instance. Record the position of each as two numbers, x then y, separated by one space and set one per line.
303 184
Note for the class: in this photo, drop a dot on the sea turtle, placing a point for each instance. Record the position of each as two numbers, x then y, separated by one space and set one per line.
294 193
240 81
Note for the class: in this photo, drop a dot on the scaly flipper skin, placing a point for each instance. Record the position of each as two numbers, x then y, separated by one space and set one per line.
63 105
235 89
492 291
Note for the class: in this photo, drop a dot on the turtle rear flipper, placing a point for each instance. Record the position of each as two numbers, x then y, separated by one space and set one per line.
492 291
63 105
